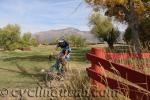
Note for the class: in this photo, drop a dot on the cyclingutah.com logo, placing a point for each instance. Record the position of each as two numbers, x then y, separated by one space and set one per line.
55 92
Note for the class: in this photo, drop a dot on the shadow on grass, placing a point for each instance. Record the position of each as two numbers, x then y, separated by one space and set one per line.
37 77
10 70
77 54
37 58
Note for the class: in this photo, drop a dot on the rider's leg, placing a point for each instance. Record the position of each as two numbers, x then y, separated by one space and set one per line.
64 64
56 66
58 63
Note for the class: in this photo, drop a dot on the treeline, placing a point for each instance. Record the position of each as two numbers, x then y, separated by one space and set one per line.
74 41
11 38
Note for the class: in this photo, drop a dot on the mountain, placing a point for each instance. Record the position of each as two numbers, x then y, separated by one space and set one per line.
51 35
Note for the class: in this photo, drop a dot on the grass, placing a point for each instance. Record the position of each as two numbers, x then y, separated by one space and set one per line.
19 69
32 61
136 64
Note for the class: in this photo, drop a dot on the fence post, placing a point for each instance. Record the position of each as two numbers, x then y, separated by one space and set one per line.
99 52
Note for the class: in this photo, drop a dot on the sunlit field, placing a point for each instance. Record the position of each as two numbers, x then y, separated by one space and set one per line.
32 62
22 69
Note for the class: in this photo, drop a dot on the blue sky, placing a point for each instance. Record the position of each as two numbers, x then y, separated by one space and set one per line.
42 15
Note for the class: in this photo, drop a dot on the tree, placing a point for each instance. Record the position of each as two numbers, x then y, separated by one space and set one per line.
25 40
128 35
27 37
131 11
145 32
102 27
144 29
76 40
1 38
34 42
10 37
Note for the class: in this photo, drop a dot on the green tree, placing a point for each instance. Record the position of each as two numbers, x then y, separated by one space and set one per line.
26 40
102 27
10 37
131 11
34 42
1 38
27 37
76 40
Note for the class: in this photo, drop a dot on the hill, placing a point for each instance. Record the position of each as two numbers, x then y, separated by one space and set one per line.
51 35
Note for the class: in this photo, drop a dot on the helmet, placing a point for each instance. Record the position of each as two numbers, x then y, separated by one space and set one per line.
61 39
61 42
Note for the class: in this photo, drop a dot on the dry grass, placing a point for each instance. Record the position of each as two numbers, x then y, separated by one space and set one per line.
26 73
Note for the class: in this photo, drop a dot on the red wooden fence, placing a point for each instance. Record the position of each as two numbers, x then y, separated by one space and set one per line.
141 82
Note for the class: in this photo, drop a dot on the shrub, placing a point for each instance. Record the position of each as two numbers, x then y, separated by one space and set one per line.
34 42
76 40
10 37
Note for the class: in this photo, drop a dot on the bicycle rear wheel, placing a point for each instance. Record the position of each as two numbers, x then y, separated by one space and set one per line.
50 76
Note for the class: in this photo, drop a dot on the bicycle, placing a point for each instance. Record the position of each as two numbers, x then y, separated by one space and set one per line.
51 75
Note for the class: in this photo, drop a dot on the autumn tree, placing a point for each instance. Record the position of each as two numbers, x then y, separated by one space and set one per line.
131 11
144 33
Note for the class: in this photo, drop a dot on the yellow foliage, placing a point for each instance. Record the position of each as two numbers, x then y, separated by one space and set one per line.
139 7
120 2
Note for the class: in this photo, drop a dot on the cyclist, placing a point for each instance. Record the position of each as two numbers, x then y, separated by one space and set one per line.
63 56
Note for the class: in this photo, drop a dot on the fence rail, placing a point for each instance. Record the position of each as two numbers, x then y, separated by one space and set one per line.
140 88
